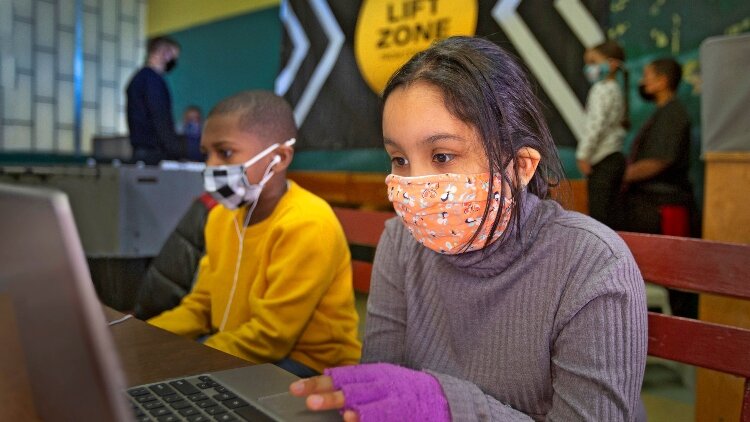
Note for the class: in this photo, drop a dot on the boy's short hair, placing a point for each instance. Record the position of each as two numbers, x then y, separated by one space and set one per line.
260 112
155 44
669 68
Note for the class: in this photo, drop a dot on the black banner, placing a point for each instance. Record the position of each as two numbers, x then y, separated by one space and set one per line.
336 105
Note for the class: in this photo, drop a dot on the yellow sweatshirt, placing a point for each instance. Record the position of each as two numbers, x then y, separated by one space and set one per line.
294 295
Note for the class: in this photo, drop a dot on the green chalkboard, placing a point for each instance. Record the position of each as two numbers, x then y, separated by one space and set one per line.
224 57
651 29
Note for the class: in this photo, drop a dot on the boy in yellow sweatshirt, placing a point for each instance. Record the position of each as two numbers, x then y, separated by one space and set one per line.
275 284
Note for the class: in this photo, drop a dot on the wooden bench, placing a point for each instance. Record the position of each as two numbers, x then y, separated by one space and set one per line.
699 266
675 262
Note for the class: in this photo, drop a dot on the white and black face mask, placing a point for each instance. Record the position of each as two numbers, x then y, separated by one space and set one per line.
228 184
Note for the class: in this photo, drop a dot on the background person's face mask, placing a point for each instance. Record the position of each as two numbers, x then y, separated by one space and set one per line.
596 72
228 184
647 96
170 65
192 130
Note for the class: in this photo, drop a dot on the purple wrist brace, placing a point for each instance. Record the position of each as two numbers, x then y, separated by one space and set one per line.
386 392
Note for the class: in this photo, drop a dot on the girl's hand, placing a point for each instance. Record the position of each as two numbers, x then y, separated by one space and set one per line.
376 392
322 395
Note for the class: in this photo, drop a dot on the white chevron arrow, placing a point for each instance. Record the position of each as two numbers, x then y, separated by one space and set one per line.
558 90
301 47
324 67
581 22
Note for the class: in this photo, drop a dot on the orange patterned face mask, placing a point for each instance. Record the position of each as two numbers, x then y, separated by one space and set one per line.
443 211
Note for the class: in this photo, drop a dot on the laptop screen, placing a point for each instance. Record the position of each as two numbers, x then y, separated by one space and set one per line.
68 353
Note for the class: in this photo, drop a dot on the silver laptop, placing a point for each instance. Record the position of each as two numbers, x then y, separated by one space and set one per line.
45 285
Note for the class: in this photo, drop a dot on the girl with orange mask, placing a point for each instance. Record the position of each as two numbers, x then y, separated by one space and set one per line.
488 300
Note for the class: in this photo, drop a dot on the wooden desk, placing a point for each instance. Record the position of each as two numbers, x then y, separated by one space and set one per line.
147 354
150 354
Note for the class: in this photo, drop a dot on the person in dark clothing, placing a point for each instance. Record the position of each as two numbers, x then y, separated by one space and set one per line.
657 174
149 107
191 128
656 179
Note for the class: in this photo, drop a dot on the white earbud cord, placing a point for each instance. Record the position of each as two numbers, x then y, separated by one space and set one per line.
241 242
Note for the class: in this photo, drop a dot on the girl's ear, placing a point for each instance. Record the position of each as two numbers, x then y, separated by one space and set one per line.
528 160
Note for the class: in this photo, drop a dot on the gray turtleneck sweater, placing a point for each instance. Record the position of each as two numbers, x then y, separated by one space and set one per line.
549 325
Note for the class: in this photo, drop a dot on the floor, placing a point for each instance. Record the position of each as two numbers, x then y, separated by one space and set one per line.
668 391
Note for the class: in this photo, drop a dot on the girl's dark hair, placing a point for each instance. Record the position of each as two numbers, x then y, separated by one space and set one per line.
613 50
487 88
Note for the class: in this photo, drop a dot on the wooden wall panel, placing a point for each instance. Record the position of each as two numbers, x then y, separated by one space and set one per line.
367 190
726 217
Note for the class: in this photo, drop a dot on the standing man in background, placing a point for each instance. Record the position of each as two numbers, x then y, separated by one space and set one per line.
150 122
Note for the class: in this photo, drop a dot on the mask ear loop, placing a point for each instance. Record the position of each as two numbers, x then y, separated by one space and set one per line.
241 241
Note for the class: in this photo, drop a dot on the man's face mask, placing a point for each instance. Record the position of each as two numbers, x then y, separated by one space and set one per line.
443 211
228 184
170 65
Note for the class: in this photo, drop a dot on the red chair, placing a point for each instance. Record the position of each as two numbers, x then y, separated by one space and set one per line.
675 220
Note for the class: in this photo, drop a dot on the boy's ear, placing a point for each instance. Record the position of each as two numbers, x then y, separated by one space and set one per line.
528 160
285 153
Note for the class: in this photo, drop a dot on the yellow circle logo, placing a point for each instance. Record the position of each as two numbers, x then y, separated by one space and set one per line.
389 32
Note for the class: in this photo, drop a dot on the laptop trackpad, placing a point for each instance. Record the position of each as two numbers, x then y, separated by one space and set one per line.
291 408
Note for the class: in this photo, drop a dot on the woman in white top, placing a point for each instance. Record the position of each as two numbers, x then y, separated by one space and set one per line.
599 154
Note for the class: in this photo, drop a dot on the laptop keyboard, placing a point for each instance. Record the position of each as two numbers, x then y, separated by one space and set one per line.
193 399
